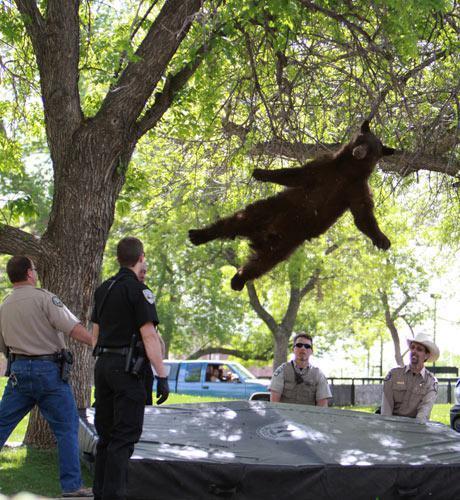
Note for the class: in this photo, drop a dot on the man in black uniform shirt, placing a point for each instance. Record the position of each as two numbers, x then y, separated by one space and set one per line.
148 375
124 307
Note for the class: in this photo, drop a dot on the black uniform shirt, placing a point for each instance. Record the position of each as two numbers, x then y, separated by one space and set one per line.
129 305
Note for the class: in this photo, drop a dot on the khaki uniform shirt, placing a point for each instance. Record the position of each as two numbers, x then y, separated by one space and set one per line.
409 394
32 321
313 387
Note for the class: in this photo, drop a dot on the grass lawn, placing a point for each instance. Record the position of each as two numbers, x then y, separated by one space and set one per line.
33 470
439 413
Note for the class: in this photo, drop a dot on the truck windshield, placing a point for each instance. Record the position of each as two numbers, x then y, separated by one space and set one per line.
242 371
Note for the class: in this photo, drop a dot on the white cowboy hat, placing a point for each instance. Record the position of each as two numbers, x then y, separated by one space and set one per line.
424 339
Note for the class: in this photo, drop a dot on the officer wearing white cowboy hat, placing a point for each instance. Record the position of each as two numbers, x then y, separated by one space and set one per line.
411 390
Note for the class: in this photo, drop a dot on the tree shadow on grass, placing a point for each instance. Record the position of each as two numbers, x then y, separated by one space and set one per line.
31 469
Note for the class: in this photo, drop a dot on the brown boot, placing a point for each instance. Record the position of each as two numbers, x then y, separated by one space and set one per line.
82 492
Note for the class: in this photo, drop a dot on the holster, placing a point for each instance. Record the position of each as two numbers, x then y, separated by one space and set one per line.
65 359
135 359
9 361
97 351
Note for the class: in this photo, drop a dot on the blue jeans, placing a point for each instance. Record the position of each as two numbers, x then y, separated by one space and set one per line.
39 383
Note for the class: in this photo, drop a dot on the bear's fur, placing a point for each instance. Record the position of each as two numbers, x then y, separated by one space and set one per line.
317 194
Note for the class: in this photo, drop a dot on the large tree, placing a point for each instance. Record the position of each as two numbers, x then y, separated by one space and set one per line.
90 153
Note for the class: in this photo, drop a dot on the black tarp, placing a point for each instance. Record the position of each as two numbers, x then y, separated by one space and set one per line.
256 450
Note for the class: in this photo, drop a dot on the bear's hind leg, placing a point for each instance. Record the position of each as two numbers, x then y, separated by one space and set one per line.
259 263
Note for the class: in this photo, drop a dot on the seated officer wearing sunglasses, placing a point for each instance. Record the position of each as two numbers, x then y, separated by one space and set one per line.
297 381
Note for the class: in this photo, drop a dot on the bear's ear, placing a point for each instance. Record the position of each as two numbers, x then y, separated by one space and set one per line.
386 151
365 127
360 152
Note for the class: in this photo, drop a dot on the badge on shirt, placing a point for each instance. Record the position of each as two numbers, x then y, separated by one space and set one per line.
149 297
57 301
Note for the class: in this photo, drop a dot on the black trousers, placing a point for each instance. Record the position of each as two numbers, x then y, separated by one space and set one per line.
119 416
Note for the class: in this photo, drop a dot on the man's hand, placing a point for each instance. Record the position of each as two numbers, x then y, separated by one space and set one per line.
162 389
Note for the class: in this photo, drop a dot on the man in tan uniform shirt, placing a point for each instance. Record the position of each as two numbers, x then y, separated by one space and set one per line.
298 382
33 323
411 391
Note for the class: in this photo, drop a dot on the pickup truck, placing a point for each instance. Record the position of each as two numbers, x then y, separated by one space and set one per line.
217 378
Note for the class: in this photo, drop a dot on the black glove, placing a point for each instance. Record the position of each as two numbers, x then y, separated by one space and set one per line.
162 389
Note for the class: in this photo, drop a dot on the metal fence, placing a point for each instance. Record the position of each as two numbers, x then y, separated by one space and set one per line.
367 391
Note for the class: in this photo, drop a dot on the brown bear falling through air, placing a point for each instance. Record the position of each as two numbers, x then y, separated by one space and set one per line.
317 194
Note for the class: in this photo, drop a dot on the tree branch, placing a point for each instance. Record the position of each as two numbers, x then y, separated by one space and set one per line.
231 352
311 283
403 80
401 306
354 28
263 314
292 309
14 241
405 163
56 43
140 77
173 85
33 20
402 162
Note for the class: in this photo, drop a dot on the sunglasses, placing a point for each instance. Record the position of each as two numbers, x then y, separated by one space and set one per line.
299 345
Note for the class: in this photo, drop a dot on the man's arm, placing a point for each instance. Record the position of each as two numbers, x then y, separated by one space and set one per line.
275 397
2 344
153 348
95 334
277 385
387 397
426 405
323 391
163 345
80 333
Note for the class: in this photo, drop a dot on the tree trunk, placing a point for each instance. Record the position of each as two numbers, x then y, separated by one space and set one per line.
391 325
281 348
38 431
76 236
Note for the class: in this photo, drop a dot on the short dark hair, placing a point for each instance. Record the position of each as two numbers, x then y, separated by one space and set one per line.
304 335
17 268
129 250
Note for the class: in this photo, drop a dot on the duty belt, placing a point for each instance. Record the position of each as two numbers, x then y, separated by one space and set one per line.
113 350
41 357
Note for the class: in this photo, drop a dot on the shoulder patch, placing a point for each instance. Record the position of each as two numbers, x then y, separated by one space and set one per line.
149 297
278 370
57 301
388 377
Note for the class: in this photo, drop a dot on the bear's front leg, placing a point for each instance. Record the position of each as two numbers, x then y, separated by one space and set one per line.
363 214
381 241
199 236
289 177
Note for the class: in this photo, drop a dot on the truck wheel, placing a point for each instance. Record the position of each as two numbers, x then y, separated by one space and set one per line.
456 424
